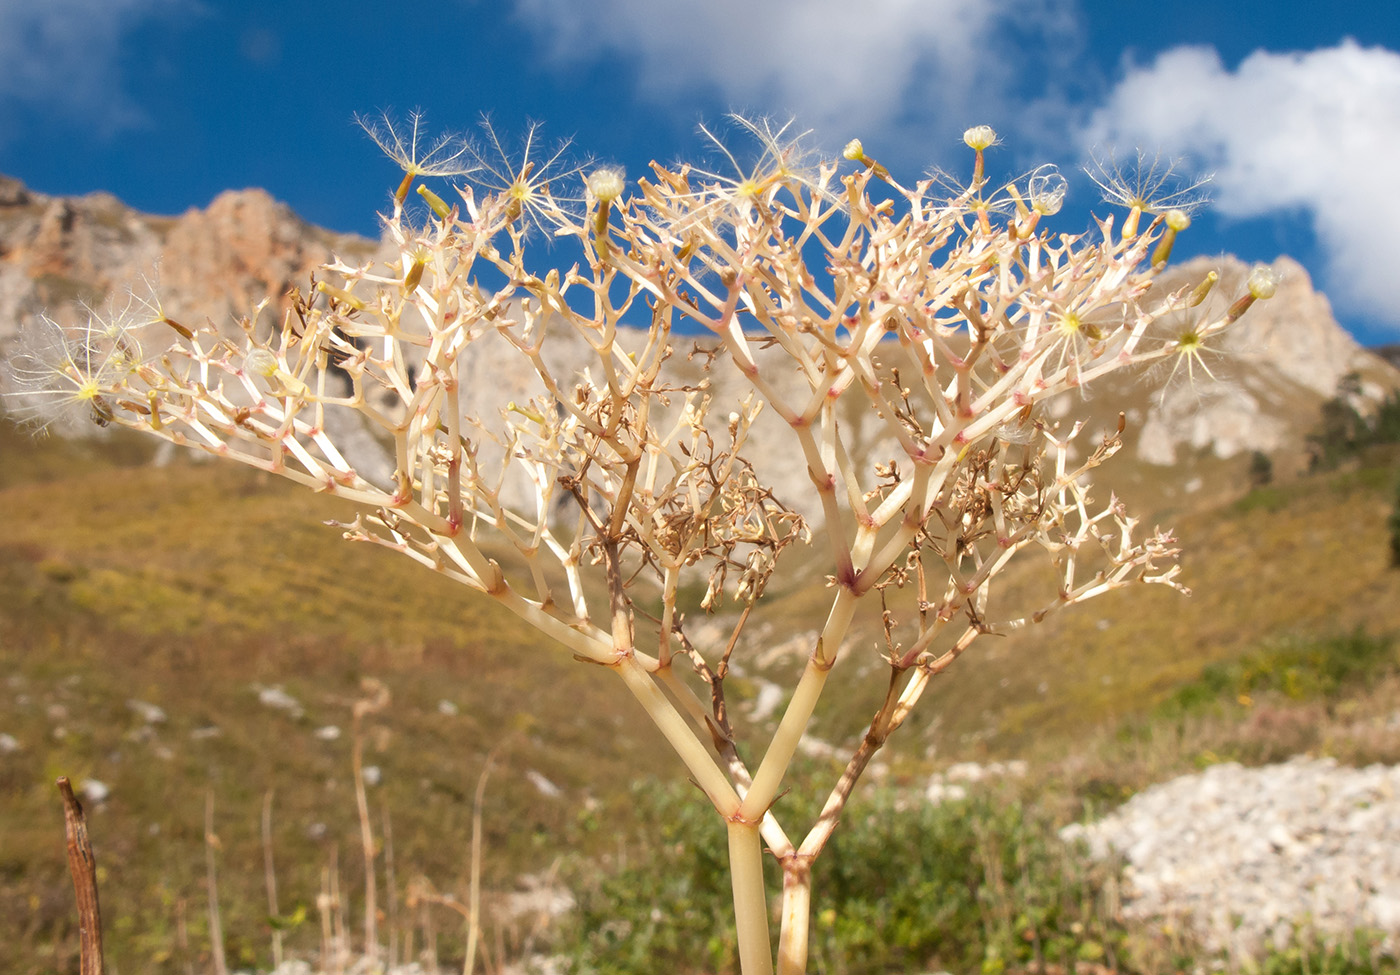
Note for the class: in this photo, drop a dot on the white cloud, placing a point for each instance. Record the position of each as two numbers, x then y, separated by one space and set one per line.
898 68
1316 132
60 56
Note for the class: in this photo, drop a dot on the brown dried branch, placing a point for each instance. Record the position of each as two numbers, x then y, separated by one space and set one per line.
82 864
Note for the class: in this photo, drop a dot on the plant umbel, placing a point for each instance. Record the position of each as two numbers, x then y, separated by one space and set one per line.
844 300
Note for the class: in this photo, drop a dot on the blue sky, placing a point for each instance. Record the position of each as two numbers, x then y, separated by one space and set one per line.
1297 112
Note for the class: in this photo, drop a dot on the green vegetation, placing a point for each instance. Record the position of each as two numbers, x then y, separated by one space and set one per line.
1299 670
1261 469
1343 432
983 884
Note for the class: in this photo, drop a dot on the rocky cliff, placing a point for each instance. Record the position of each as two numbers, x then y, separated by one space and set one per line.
57 253
1270 371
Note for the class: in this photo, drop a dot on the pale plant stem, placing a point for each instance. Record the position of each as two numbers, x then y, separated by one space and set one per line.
636 671
584 644
824 483
845 467
323 910
793 725
430 937
390 889
691 705
697 758
455 515
367 495
750 898
474 890
795 930
668 616
770 828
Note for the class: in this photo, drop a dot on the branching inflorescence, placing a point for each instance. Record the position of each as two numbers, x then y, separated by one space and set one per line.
944 323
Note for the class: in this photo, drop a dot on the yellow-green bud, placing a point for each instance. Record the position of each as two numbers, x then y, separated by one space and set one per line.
855 152
435 202
1199 294
414 275
340 295
1263 281
260 361
1178 220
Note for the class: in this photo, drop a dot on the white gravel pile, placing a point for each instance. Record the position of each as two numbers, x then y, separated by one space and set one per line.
1246 855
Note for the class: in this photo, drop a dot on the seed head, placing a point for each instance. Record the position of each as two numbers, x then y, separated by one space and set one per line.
1149 184
447 155
260 361
528 179
59 373
1046 189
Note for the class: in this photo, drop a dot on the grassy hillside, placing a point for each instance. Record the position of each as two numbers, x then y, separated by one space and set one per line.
193 586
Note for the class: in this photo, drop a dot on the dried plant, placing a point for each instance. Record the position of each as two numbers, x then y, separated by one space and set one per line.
942 316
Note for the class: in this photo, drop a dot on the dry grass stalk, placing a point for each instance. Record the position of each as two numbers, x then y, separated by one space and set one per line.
376 700
216 926
391 894
270 878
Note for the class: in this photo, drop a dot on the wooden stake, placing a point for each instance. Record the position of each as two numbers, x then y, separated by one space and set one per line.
83 866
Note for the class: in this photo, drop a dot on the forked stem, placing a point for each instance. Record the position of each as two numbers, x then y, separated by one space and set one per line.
750 898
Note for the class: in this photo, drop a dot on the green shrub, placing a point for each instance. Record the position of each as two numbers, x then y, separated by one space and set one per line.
1261 469
1394 525
1342 432
981 884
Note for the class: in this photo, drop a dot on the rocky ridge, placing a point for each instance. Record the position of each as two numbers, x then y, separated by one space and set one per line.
58 253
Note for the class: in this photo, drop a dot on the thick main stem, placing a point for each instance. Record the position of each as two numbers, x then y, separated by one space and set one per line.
750 899
797 910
